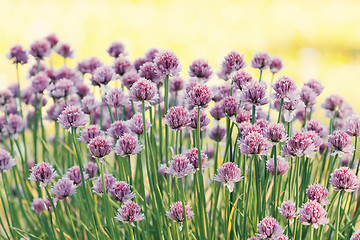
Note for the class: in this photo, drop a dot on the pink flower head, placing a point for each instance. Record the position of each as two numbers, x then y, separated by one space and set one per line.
288 210
151 54
40 49
102 75
7 162
284 87
89 133
122 65
99 147
261 60
135 124
217 111
344 179
308 96
276 64
317 127
241 78
48 204
117 129
243 115
356 236
318 192
91 169
230 105
246 128
352 125
63 188
193 157
38 205
127 145
130 213
200 95
116 98
129 78
176 212
229 173
167 63
201 69
315 85
74 175
333 103
176 84
65 50
269 228
42 172
302 143
143 90
72 117
62 88
180 166
312 213
217 133
52 39
5 97
120 190
254 93
89 104
177 118
219 92
116 49
254 143
33 70
98 184
150 72
276 133
204 120
17 55
40 82
82 90
138 63
282 166
232 62
15 124
340 143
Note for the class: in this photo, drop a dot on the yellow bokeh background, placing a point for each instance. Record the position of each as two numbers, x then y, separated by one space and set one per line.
316 39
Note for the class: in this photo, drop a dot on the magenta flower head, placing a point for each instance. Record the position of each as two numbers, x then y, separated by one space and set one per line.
204 120
135 124
127 145
102 75
82 90
317 127
63 188
167 62
217 133
201 69
62 88
356 236
193 156
275 132
284 87
269 228
89 104
217 111
138 63
48 204
130 213
129 78
288 210
5 97
315 85
122 66
40 82
180 166
117 129
17 55
72 117
302 143
177 118
151 54
89 133
352 126
120 190
333 103
308 96
99 147
254 93
176 84
98 185
229 173
241 78
232 62
312 213
65 50
15 124
42 172
150 72
116 49
318 192
33 70
200 95
116 98
276 64
7 162
40 49
254 143
230 105
52 39
74 175
176 212
282 166
261 60
340 143
143 90
38 205
344 179
91 169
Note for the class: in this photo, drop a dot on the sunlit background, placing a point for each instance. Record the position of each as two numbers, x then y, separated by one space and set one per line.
316 39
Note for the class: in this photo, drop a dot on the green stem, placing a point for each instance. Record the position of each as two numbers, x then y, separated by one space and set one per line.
280 110
338 217
71 221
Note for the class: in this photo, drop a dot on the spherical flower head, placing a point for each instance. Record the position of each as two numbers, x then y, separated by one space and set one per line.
102 75
230 105
282 166
117 129
89 133
62 88
129 78
42 172
284 87
312 213
177 118
115 49
35 100
340 143
318 192
7 162
89 104
40 49
193 156
99 147
355 236
288 210
204 120
33 70
127 145
201 69
98 185
40 82
269 228
130 213
352 126
276 64
74 175
217 133
38 205
275 132
5 97
17 55
176 212
122 65
302 143
176 84
180 166
138 63
217 111
116 98
261 60
151 54
120 190
315 85
229 173
246 128
52 40
243 115
15 124
91 169
317 127
232 62
241 78
308 96
200 95
167 62
64 50
143 90
150 72
254 93
63 188
254 143
135 124
72 117
333 103
344 179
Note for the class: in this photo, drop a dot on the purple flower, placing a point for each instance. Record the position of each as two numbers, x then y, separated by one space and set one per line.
176 212
254 143
243 115
7 162
52 39
15 124
201 69
99 147
102 75
193 156
91 169
269 228
74 175
352 125
143 90
129 78
89 133
33 70
130 213
232 62
315 85
62 88
275 132
116 98
122 66
333 103
261 60
340 143
284 87
312 213
48 204
151 54
65 50
72 117
356 236
150 72
176 84
63 188
17 54
254 93
302 143
135 124
38 205
98 184
276 64
241 78
115 49
180 166
288 210
120 190
217 111
200 95
117 129
40 49
230 105
308 96
42 172
204 120
246 128
217 133
220 92
317 127
89 104
127 145
82 89
177 118
229 173
167 63
318 192
344 179
40 82
5 97
138 63
282 166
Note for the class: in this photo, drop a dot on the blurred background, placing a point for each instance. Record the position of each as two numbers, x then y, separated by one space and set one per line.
315 39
